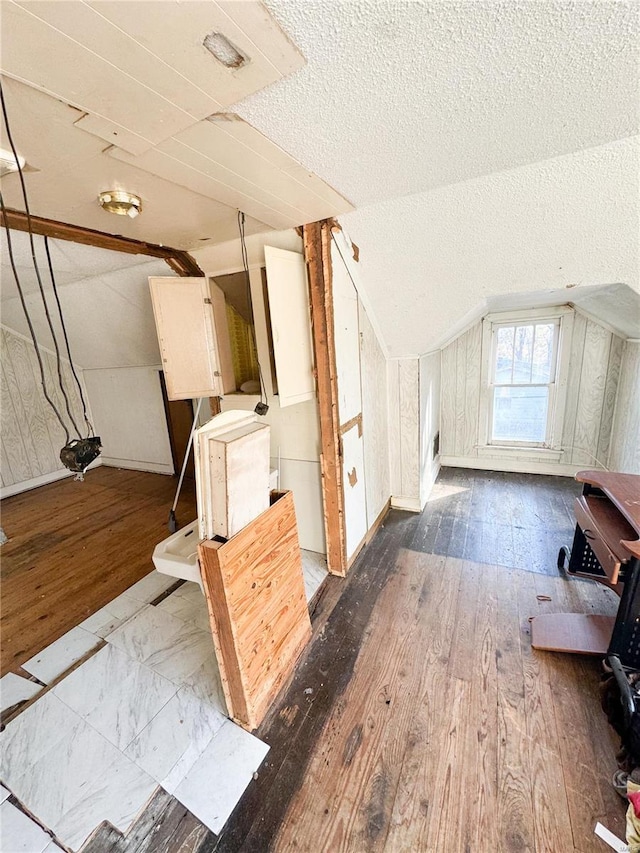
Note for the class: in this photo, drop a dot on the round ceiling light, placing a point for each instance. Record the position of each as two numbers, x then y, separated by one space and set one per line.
120 202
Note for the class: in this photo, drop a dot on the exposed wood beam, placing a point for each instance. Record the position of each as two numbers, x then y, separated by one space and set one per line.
317 252
180 262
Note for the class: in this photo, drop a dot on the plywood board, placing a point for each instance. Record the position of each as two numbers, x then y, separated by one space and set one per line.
572 632
257 608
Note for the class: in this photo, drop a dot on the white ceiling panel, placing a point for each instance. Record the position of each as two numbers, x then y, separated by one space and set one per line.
261 180
140 68
65 188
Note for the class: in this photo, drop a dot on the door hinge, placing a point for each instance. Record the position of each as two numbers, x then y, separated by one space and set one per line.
207 301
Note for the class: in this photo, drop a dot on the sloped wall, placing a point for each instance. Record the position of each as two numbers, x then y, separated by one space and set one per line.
32 436
594 366
625 437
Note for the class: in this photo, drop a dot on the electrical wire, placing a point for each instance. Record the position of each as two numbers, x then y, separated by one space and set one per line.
66 339
29 323
37 271
245 265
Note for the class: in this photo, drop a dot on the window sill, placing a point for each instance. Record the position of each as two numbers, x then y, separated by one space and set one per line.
502 451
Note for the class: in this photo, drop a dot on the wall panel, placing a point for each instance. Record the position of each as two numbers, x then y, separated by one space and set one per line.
31 433
625 439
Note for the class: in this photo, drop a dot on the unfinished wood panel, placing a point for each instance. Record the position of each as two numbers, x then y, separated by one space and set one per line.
353 479
239 461
625 440
187 337
409 396
609 400
393 414
597 344
448 401
317 252
219 308
258 611
374 418
290 324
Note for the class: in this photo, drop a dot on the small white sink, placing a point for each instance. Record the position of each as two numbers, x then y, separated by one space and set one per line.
177 555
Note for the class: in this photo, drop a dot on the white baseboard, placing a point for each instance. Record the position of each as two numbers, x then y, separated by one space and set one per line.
515 466
408 504
42 480
132 465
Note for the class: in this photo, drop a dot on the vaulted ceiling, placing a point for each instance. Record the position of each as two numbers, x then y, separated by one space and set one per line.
489 147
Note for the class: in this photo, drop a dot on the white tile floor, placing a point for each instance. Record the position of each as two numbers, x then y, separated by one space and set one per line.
14 689
146 710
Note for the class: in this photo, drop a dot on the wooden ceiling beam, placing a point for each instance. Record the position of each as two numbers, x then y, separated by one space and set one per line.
180 262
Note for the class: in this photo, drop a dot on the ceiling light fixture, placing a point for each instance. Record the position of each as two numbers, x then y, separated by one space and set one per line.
121 203
221 48
8 162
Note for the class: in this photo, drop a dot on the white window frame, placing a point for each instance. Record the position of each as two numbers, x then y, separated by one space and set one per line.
552 446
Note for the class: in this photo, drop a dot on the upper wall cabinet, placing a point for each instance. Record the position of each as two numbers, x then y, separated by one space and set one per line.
210 342
191 325
290 325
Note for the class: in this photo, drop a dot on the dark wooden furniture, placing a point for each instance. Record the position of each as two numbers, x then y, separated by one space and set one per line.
606 548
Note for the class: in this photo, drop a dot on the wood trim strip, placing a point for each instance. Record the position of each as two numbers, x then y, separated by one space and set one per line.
357 420
180 262
317 253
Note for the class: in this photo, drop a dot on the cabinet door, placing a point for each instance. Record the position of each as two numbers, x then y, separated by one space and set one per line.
184 316
290 325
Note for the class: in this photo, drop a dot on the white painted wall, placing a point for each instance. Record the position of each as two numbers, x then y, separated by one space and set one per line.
429 368
31 435
624 452
594 363
375 419
129 417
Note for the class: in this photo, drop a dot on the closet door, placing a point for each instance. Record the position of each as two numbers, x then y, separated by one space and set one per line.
347 348
190 345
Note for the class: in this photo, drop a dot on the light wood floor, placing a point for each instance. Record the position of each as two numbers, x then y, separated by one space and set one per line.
73 547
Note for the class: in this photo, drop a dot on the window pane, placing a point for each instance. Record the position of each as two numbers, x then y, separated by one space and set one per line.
522 354
542 353
520 414
504 354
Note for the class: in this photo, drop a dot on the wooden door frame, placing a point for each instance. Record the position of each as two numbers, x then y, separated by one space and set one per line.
317 252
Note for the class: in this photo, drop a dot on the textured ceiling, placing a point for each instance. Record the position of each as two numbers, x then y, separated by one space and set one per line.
429 260
399 97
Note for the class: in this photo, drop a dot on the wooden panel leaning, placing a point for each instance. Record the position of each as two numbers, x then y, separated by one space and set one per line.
257 608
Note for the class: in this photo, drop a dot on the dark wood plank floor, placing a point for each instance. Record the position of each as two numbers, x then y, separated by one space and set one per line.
73 547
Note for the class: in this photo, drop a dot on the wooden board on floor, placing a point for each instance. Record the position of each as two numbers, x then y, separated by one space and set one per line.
577 633
259 618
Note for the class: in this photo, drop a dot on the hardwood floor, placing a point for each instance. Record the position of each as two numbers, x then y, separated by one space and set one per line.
73 547
419 718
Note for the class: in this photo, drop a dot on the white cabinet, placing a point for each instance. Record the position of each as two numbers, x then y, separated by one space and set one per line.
191 321
191 326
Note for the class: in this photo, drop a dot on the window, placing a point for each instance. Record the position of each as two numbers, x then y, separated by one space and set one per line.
525 372
523 378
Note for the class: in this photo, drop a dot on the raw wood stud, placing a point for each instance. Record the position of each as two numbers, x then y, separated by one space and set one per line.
257 609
